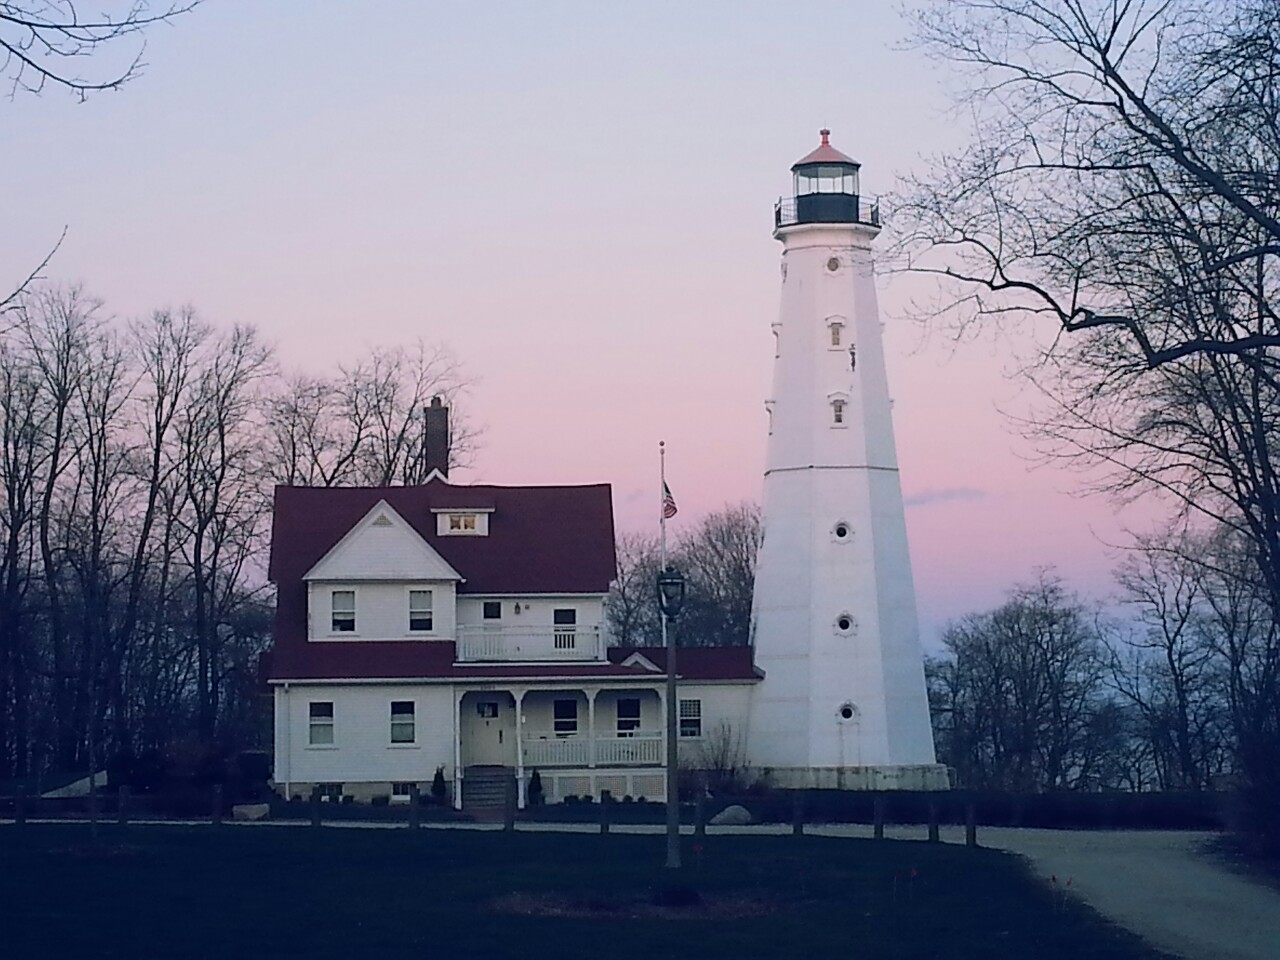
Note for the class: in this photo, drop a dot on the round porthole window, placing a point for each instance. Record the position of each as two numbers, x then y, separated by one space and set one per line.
842 531
847 711
846 624
833 264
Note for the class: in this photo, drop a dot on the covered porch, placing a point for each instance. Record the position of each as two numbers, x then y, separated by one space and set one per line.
582 739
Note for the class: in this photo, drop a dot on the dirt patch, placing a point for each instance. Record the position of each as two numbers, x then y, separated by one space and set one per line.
633 908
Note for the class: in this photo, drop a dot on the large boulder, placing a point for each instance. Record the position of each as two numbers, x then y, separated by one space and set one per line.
250 811
731 816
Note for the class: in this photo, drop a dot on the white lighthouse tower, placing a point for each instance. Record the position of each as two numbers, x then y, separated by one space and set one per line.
843 703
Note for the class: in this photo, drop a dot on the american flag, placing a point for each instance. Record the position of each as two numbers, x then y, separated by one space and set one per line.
668 502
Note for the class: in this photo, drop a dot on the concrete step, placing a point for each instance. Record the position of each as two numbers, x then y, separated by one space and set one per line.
484 789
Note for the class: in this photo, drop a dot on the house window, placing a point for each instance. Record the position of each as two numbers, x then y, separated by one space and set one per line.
420 610
837 411
628 716
690 718
564 717
492 610
401 792
330 792
402 721
565 630
320 720
343 611
462 523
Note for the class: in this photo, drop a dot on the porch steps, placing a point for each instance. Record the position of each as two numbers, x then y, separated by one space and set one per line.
484 791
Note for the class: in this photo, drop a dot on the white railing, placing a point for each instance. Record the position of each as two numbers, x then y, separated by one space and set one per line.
479 643
628 750
609 752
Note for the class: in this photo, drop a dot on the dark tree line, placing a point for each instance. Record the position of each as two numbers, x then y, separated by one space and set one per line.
136 467
718 559
1043 693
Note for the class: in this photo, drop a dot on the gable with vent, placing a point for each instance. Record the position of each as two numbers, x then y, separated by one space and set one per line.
382 546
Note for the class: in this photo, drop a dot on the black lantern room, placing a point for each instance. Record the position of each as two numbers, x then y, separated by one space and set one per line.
825 190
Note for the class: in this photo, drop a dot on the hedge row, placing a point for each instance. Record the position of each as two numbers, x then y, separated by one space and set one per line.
1166 811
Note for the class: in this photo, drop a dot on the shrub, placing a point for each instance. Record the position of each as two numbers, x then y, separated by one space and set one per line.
536 796
379 800
439 789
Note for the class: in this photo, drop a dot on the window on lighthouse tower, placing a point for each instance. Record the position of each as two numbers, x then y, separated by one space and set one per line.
837 411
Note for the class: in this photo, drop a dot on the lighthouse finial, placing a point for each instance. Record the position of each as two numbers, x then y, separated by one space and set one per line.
825 134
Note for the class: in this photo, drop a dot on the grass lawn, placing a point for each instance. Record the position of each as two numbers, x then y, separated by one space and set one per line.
234 892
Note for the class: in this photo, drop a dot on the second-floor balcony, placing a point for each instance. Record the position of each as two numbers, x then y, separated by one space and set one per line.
486 644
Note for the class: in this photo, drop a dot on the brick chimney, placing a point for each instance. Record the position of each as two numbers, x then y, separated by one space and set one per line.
436 439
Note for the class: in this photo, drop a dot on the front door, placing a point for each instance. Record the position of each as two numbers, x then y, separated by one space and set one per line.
488 730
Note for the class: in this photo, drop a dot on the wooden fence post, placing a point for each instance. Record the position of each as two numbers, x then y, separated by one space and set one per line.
970 825
700 812
20 806
509 805
933 821
797 813
877 818
122 806
315 805
606 801
415 810
216 813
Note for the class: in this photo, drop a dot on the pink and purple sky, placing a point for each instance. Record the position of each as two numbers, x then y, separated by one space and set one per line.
577 198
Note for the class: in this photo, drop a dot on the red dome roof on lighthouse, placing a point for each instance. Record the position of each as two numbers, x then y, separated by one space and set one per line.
825 153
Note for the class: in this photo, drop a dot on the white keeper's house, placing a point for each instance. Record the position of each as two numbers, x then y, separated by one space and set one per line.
462 628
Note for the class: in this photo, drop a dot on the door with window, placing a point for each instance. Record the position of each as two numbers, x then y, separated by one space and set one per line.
488 729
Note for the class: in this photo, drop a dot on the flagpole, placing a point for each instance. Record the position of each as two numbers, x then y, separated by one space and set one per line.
673 723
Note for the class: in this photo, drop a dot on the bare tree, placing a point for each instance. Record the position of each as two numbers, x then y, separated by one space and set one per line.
719 558
1019 702
1168 668
631 608
224 505
1122 196
366 426
44 42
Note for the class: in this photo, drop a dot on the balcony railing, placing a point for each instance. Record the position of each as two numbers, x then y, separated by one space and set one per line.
825 208
479 644
640 750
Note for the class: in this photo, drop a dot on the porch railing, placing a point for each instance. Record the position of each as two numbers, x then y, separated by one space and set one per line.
609 752
481 643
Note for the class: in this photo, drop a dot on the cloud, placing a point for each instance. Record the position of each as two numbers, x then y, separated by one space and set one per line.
946 495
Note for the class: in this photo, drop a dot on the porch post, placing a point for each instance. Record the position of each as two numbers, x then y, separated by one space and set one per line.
521 793
591 726
457 748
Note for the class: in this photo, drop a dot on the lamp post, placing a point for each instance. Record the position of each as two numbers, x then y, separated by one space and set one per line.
671 587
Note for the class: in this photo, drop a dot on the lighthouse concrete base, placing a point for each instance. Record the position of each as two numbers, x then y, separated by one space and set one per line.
931 776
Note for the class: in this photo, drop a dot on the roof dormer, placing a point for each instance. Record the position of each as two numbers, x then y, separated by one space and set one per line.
462 521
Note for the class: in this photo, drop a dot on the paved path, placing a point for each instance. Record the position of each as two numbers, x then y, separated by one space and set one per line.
1159 884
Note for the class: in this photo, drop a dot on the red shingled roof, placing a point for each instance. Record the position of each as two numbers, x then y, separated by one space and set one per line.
541 539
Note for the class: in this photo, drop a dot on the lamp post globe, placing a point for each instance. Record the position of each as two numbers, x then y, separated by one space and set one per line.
671 590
